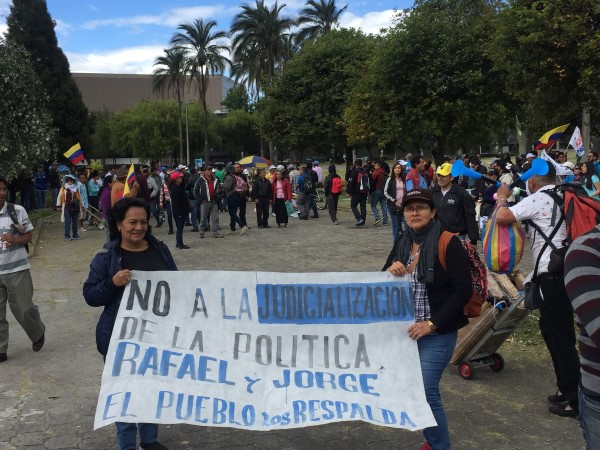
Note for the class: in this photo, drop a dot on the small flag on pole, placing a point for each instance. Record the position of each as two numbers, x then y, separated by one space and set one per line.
577 142
75 154
550 138
130 179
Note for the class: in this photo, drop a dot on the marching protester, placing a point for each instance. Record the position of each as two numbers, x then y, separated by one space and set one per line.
394 190
70 202
415 177
305 191
440 295
83 195
591 182
118 187
105 205
378 179
454 205
16 286
54 182
234 186
166 202
240 172
358 187
41 185
281 193
262 194
582 278
334 186
207 192
181 207
93 187
556 312
132 247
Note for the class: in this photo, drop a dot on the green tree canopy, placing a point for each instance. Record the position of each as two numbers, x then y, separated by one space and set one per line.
26 133
29 24
304 109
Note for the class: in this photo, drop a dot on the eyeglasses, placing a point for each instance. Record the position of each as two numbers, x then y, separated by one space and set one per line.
416 209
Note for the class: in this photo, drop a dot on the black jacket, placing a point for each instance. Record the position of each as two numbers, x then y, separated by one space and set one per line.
451 290
456 211
353 182
201 192
179 200
262 188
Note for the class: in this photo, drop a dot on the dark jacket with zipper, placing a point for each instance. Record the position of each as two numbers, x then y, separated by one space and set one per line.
202 193
456 211
179 200
262 188
450 291
99 290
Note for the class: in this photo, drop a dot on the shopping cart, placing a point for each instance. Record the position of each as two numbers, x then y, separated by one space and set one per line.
479 343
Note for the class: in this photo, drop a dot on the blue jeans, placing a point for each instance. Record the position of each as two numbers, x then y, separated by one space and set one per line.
127 434
589 420
435 352
169 212
70 223
233 204
396 224
377 197
41 198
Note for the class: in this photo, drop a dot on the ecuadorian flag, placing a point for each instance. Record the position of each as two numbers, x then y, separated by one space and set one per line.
550 138
130 180
75 154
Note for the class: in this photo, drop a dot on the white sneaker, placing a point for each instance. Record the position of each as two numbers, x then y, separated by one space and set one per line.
244 229
83 229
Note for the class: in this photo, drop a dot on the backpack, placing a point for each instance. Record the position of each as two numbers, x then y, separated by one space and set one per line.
240 185
72 202
10 209
336 185
309 187
479 281
580 213
363 183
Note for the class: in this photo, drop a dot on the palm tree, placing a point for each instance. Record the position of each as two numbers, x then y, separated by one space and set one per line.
205 58
319 19
260 42
168 77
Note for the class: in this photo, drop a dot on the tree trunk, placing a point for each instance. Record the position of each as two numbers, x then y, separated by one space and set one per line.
521 138
585 129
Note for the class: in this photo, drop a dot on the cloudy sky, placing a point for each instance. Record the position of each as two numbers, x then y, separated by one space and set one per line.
126 36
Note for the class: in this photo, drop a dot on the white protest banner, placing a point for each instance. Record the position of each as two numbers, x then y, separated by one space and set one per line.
264 351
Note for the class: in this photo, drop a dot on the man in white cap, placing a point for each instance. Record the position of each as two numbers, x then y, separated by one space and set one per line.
529 157
272 173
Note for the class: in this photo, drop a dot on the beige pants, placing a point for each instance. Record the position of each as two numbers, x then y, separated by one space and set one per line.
17 289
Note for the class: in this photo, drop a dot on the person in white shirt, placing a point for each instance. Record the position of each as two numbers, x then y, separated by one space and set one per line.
556 313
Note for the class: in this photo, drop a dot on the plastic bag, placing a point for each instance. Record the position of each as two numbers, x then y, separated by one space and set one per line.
503 245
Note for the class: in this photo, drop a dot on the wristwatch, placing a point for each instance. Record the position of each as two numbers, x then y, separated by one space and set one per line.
432 327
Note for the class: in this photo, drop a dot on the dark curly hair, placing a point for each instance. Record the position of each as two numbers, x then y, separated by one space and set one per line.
118 211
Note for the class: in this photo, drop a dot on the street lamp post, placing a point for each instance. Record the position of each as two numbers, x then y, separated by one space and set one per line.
187 137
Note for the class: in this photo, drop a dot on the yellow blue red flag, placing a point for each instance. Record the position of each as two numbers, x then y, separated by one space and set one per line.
130 180
550 138
75 154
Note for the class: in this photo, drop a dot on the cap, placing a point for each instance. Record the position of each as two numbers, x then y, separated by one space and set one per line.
272 167
181 166
569 165
315 163
444 170
402 162
72 177
422 195
280 167
176 175
291 167
530 155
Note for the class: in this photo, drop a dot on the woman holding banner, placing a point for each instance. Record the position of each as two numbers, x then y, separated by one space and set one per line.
131 247
441 290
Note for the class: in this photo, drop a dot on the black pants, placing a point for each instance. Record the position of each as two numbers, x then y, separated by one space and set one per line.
558 330
332 204
262 212
242 213
355 201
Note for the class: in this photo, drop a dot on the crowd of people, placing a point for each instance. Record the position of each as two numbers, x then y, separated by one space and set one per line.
430 211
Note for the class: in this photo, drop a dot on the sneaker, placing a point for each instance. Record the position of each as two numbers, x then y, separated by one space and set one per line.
303 217
202 234
3 357
360 223
153 446
377 222
183 247
194 230
67 238
82 229
37 345
76 238
244 229
560 410
217 235
385 224
315 216
335 222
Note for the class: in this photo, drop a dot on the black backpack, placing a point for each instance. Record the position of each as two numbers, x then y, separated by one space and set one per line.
363 183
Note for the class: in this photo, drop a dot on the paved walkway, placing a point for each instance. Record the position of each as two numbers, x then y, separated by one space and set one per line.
48 399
